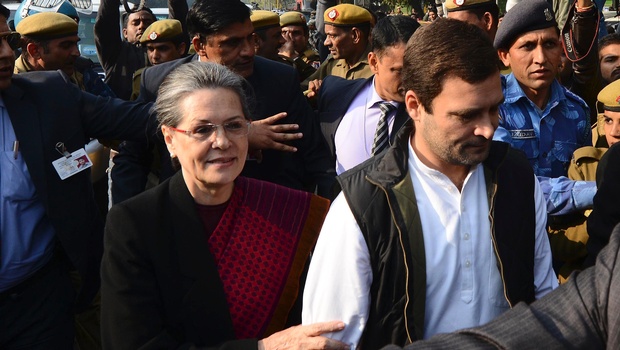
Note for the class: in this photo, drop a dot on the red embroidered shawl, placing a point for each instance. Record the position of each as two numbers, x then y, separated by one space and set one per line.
260 247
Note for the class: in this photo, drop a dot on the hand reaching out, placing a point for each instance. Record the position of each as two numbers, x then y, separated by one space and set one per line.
305 337
264 134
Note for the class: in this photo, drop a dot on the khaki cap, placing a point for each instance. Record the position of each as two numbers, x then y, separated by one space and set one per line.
47 26
292 18
609 97
162 30
461 5
347 15
262 19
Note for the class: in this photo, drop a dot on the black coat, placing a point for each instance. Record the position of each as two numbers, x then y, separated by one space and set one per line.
46 108
606 211
157 261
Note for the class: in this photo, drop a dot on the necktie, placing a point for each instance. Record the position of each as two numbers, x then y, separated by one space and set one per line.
382 135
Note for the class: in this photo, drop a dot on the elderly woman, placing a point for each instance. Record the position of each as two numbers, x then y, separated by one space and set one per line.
208 258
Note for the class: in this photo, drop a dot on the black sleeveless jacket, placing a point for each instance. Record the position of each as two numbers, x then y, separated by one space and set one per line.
381 197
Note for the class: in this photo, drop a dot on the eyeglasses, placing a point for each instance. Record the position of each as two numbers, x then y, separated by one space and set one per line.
235 128
11 38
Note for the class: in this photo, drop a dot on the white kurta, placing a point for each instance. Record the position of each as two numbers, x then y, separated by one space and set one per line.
464 288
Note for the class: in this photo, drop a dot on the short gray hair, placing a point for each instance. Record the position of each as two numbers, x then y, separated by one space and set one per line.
193 76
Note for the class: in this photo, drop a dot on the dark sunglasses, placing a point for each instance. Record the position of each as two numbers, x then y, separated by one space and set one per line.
12 38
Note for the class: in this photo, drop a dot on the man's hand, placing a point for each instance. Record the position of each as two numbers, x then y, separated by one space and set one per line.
264 134
313 88
305 337
288 48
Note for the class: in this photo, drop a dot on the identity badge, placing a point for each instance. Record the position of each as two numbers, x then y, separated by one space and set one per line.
523 134
72 164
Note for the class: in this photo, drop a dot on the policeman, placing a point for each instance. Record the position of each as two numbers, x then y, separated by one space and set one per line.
347 28
49 43
268 34
269 41
164 41
568 233
296 32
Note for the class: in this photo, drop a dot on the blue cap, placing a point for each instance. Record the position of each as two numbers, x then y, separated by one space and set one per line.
525 16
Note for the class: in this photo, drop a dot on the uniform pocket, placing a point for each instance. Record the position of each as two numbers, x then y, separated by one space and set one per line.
526 141
563 151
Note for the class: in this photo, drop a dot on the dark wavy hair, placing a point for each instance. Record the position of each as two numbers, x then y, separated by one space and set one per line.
207 17
391 31
443 49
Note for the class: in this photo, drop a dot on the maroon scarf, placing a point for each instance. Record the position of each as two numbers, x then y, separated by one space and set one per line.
260 247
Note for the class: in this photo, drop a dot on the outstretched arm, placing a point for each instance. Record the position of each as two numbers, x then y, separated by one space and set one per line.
108 33
565 196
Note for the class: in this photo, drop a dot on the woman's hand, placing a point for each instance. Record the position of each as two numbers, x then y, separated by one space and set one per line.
304 337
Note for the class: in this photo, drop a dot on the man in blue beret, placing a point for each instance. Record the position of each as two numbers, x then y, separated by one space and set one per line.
540 116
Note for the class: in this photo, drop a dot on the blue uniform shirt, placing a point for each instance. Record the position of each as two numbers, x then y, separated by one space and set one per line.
548 138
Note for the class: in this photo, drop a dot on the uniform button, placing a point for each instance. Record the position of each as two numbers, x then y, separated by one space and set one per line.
467 263
544 155
466 236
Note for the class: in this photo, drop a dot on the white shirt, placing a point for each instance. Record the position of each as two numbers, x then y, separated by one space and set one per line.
356 131
464 288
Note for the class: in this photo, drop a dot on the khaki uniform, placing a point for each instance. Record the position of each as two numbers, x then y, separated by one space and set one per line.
22 66
568 234
310 57
340 68
598 133
584 163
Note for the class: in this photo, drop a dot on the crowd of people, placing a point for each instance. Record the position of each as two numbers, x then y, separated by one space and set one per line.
449 183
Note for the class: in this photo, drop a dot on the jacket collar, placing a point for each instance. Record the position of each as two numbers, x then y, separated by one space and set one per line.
392 167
